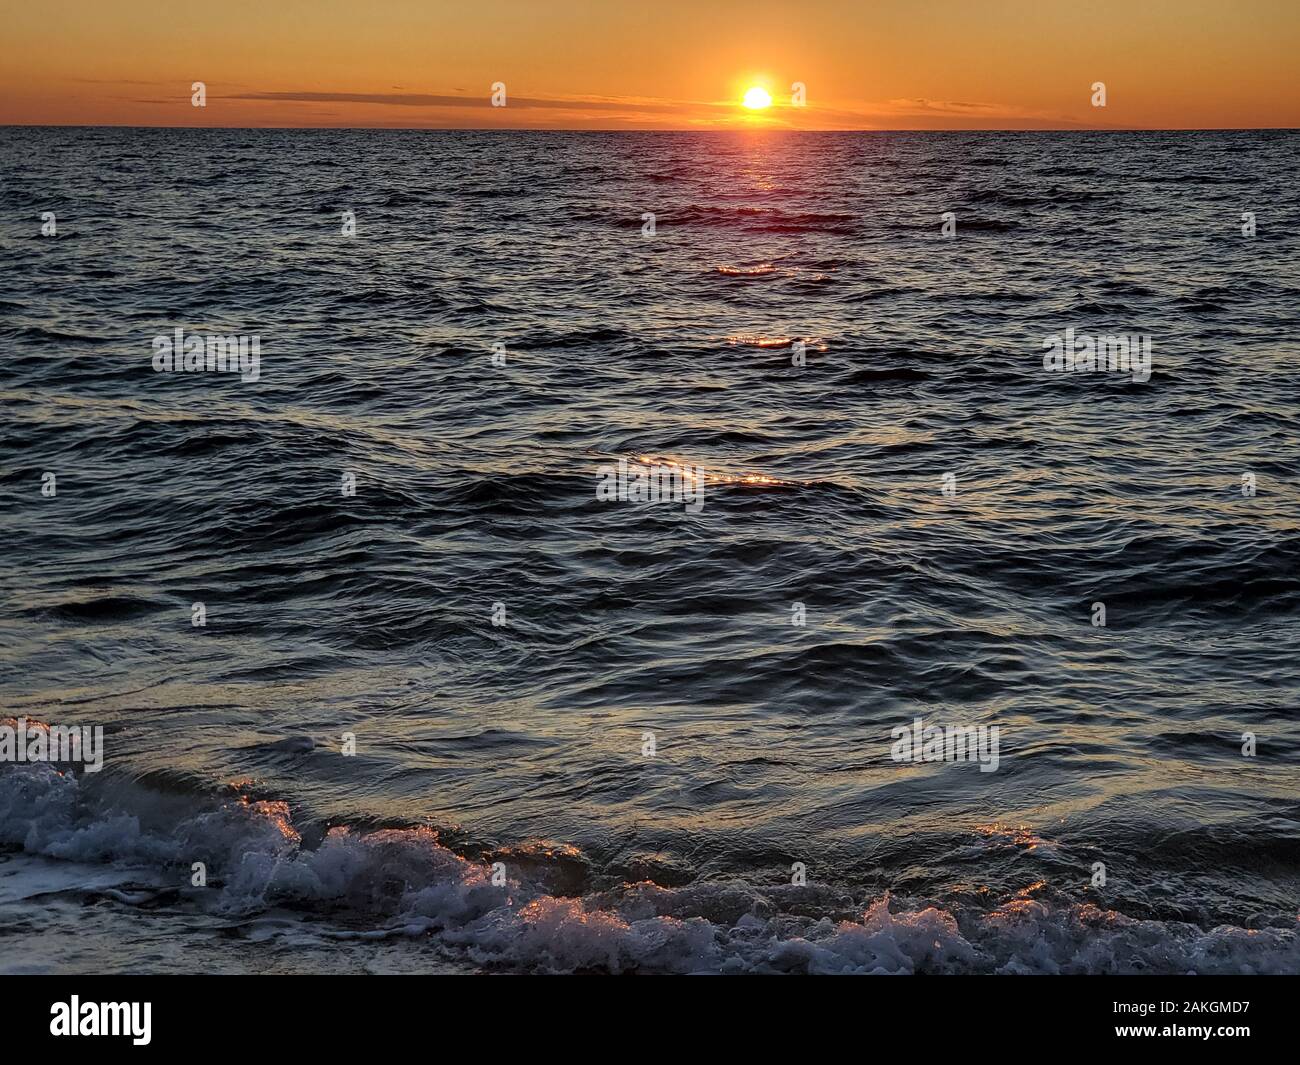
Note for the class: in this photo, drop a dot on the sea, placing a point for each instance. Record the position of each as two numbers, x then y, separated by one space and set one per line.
548 552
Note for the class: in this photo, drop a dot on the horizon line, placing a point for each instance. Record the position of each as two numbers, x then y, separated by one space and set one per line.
669 129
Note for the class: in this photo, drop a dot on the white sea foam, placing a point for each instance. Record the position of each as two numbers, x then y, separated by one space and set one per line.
393 884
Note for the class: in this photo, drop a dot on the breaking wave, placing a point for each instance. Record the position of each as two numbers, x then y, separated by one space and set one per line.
351 884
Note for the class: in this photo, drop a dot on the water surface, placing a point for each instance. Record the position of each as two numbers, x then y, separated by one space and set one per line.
522 743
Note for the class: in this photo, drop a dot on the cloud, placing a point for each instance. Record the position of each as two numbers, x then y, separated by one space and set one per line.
952 114
413 99
658 113
945 107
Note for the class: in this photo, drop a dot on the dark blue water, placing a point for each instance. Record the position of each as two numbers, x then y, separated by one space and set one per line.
522 737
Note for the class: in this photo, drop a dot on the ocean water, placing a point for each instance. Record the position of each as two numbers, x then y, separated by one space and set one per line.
607 736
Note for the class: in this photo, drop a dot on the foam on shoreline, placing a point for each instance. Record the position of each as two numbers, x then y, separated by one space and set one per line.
396 883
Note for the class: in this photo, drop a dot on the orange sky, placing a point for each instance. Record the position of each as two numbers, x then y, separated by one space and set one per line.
636 64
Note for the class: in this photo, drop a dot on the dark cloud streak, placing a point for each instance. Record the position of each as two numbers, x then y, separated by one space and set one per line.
408 99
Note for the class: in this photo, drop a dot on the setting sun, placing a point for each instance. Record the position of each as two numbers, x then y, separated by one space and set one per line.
757 98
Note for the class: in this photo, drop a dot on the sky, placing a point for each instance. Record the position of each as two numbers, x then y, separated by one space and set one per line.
637 64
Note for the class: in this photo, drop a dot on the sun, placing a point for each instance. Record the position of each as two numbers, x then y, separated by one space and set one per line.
757 98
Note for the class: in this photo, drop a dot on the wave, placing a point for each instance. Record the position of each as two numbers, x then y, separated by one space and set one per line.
771 220
538 908
761 270
895 373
